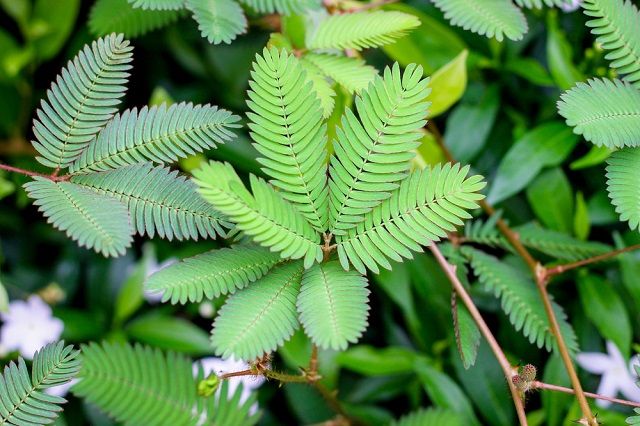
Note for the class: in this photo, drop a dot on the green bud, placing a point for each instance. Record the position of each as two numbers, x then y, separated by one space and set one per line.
209 386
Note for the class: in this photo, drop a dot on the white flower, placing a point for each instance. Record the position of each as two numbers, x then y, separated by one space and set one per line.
617 375
570 6
28 326
219 366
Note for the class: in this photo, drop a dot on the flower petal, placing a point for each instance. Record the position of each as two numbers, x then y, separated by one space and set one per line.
594 362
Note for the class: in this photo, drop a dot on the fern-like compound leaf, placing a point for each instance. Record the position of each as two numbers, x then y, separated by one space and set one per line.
605 112
288 129
157 4
268 218
351 73
427 204
333 305
258 319
232 411
616 24
219 21
321 85
81 101
156 134
520 301
117 16
493 18
558 244
212 274
362 30
95 221
370 157
623 179
22 401
139 385
283 7
530 4
430 417
159 201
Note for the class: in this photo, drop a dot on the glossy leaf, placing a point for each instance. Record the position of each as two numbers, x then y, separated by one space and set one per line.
544 146
448 84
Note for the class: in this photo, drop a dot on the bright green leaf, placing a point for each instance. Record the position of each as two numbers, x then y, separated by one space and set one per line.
448 84
559 54
370 361
595 156
443 391
603 305
170 333
581 224
544 146
51 24
431 45
469 124
529 69
551 199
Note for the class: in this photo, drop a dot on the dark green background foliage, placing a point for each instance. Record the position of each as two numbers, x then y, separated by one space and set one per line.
544 109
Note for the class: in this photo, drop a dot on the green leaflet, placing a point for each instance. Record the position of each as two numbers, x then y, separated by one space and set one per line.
538 3
427 204
258 319
157 4
605 112
218 21
321 85
22 401
285 7
333 305
557 244
466 331
520 301
493 18
351 73
372 154
430 417
616 23
158 134
212 274
361 30
81 101
288 129
93 220
623 175
268 218
117 16
158 200
233 412
127 381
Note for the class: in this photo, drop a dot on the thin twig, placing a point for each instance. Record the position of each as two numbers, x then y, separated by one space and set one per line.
538 271
30 173
541 385
562 268
450 270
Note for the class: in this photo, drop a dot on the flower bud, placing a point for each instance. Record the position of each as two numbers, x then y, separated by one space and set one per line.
529 373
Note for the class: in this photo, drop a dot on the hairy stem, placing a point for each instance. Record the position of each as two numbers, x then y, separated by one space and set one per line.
508 370
562 268
538 271
30 173
541 385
